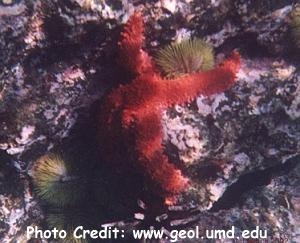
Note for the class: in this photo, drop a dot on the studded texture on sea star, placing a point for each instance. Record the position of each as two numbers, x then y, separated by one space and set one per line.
133 111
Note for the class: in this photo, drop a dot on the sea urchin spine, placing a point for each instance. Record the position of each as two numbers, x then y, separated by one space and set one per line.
53 181
186 57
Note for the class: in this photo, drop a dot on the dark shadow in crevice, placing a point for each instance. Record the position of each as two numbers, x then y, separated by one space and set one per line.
10 181
247 182
247 45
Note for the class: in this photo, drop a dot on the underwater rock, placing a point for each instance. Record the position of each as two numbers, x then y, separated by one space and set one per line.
58 58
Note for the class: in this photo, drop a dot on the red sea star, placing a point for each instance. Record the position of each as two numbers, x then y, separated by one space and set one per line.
134 111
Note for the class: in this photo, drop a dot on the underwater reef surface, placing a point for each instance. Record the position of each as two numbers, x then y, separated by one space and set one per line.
240 148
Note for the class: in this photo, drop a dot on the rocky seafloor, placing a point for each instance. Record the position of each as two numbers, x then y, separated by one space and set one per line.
240 148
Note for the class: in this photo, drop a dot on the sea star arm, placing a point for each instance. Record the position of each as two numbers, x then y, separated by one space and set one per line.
132 56
164 174
186 88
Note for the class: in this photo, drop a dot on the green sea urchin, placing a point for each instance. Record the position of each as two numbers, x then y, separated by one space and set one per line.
295 25
186 57
53 181
68 221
